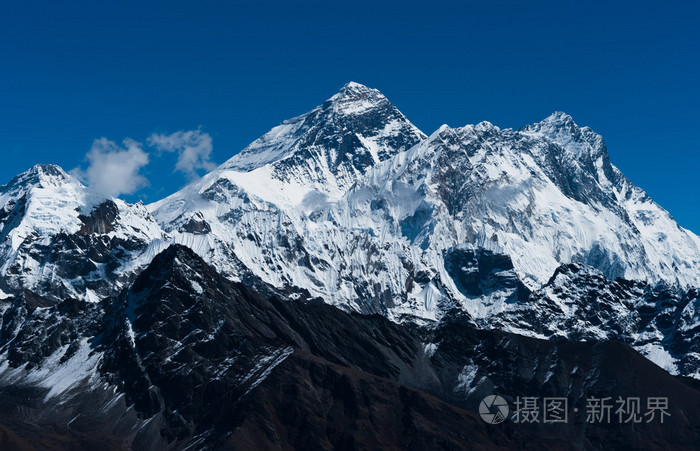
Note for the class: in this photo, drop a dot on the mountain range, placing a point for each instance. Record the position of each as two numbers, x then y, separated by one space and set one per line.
347 259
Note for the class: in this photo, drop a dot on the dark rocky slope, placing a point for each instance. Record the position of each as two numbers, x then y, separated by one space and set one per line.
190 359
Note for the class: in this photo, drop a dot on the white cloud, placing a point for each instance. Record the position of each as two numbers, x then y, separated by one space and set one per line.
113 169
193 148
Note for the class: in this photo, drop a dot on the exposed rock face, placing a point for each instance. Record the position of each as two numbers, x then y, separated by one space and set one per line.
480 273
101 220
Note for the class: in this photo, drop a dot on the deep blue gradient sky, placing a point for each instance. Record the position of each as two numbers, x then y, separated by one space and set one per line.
71 72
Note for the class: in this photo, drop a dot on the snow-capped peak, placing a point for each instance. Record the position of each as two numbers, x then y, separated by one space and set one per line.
320 153
557 119
356 127
41 175
355 90
43 200
55 235
352 85
561 129
354 98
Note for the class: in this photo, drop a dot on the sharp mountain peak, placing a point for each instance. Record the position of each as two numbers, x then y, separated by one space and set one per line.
41 174
356 92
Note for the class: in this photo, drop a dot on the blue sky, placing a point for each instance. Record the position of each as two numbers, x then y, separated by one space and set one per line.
74 72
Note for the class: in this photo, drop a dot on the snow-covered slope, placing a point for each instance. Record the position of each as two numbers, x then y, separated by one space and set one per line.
545 196
58 239
312 158
257 208
352 202
325 150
